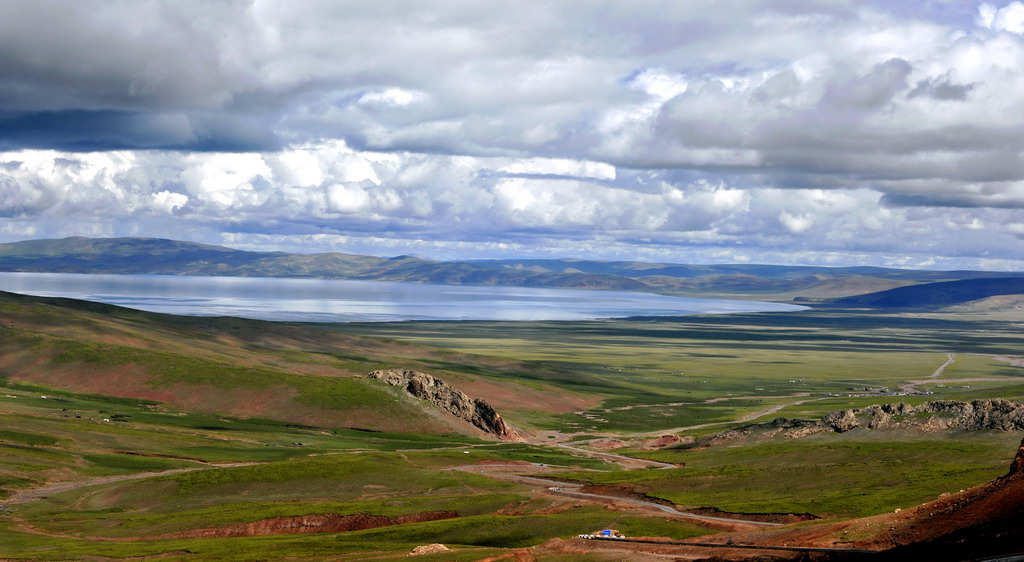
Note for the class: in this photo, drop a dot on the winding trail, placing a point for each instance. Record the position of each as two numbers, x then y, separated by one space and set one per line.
575 489
950 359
547 485
45 491
620 459
743 419
773 409
911 386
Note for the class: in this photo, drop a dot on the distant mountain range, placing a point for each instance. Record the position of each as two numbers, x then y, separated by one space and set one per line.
776 282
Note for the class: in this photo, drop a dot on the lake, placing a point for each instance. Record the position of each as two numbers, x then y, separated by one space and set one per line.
316 300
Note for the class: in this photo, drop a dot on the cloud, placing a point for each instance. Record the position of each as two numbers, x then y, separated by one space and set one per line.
468 206
1008 18
941 88
838 127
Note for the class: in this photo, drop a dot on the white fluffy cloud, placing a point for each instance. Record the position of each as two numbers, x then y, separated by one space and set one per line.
873 132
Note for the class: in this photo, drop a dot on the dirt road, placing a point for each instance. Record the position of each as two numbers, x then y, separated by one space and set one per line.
627 462
574 489
42 492
743 419
950 359
911 386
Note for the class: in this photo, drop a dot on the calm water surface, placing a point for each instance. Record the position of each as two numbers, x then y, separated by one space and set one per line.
314 300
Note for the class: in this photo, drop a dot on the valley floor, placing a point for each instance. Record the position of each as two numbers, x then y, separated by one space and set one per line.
130 435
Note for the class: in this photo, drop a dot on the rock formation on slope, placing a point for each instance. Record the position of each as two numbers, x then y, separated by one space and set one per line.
999 415
426 387
1017 466
978 415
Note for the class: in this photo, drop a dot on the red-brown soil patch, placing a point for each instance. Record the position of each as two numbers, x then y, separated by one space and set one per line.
607 444
513 396
767 517
236 342
980 522
313 523
517 555
988 506
663 442
576 548
629 491
278 402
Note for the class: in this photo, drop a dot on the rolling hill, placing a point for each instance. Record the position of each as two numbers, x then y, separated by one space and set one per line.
980 522
136 435
941 294
305 375
170 257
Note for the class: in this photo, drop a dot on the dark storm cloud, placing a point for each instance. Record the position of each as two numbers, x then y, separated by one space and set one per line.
81 130
958 200
941 88
113 75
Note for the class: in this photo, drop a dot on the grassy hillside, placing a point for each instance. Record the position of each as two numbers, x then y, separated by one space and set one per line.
169 257
938 294
156 478
131 434
878 473
300 374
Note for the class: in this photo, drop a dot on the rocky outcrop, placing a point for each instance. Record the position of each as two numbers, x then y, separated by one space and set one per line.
841 420
426 549
1017 466
978 415
607 444
426 387
1000 415
666 441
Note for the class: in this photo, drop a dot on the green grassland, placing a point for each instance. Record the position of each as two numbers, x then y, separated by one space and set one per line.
855 474
361 473
66 431
749 362
131 394
336 472
472 537
242 368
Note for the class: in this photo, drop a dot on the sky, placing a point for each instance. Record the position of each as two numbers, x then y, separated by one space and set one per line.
813 132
